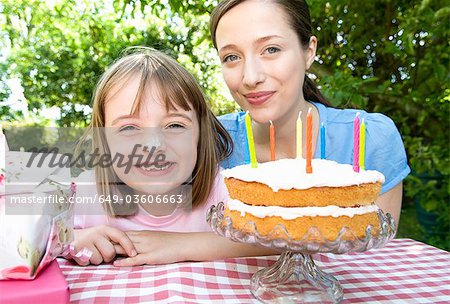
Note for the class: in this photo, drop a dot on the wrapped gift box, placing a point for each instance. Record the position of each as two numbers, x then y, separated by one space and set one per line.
36 215
49 286
33 234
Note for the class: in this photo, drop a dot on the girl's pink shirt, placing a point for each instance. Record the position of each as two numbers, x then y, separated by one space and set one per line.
93 214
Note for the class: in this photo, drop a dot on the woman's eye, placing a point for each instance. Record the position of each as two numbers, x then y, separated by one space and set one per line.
230 58
272 50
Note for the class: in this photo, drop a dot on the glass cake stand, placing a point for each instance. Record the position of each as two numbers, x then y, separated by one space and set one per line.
295 278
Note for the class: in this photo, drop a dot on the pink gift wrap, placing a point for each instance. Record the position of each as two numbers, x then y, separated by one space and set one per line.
49 286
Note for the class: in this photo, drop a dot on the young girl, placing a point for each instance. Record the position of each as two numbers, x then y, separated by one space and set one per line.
265 48
151 121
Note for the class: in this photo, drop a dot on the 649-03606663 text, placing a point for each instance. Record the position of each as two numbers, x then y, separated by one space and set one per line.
114 199
141 199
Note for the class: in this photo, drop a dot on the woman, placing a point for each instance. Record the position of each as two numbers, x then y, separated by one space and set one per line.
265 48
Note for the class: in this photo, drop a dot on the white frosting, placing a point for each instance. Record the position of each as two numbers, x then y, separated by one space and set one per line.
290 213
290 174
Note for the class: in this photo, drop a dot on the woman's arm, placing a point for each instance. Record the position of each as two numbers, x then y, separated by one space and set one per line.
391 202
160 247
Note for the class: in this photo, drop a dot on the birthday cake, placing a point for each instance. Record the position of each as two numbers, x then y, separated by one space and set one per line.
332 197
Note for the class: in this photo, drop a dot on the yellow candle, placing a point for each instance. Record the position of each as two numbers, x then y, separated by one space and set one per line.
250 140
299 136
362 145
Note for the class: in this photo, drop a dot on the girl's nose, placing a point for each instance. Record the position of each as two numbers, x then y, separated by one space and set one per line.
155 139
253 73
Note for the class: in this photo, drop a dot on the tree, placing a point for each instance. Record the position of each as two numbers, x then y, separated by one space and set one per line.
393 57
58 52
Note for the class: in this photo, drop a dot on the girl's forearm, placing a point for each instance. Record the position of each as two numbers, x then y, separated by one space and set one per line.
207 246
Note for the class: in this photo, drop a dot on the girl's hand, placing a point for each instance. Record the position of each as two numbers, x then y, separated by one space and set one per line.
101 240
154 247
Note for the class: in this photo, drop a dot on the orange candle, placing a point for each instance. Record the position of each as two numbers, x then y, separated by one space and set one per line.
272 141
309 142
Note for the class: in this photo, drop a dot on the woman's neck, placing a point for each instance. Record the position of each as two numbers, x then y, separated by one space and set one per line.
285 134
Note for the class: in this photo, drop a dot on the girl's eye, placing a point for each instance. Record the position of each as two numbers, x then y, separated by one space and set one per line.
272 50
127 128
175 126
230 58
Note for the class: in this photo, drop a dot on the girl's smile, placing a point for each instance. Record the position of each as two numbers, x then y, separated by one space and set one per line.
156 170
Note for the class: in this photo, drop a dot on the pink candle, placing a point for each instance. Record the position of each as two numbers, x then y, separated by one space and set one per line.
309 142
356 128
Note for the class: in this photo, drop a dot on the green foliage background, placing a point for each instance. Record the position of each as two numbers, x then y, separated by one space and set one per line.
388 56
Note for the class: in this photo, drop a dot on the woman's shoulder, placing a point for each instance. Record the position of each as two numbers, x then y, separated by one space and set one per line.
334 115
232 121
232 116
383 146
384 149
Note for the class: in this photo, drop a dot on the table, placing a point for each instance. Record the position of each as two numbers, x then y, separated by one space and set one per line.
404 271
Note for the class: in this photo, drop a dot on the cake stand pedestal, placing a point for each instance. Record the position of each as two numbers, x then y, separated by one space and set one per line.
294 277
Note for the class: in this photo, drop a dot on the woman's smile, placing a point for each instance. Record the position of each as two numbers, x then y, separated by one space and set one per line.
258 98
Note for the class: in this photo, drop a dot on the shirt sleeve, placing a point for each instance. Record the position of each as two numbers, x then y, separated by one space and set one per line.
385 151
234 123
221 191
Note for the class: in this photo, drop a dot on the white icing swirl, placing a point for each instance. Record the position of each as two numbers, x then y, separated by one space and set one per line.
290 213
290 174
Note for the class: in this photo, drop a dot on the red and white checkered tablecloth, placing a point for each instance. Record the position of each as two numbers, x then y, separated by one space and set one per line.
404 271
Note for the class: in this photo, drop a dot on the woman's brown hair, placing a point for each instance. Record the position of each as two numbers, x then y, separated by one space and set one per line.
299 20
178 88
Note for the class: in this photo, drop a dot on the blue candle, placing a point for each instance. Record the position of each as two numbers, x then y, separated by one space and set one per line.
322 141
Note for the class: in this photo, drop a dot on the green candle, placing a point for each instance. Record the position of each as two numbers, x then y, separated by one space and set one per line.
251 142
